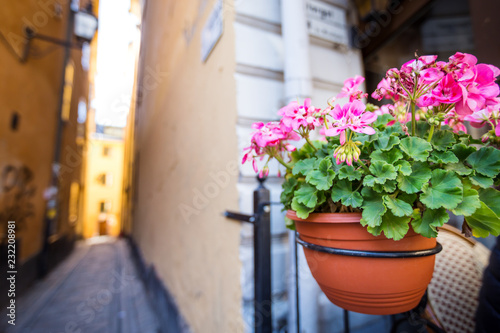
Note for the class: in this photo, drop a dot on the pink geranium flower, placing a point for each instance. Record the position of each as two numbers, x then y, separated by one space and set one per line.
351 116
455 122
295 115
448 90
350 89
271 138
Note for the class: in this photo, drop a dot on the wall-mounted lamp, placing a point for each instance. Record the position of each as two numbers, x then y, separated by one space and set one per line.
84 29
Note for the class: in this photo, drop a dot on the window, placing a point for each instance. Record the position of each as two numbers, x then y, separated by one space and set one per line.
106 151
105 179
105 206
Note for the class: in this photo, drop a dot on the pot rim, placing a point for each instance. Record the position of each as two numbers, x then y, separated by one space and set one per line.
326 217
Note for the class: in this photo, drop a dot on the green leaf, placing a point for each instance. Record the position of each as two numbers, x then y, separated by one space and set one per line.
491 198
302 210
322 153
389 157
432 218
348 171
342 191
289 224
382 171
323 177
389 186
470 201
289 185
305 166
441 140
373 208
445 190
307 195
288 188
484 222
459 168
398 207
321 198
365 139
395 227
396 130
486 161
382 120
416 148
375 231
369 181
386 142
462 151
414 182
443 157
404 167
409 198
422 128
481 181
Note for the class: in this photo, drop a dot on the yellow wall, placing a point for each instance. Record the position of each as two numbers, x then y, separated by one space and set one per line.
96 165
32 89
185 123
129 135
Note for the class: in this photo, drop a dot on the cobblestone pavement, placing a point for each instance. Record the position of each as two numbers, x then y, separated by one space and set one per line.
96 289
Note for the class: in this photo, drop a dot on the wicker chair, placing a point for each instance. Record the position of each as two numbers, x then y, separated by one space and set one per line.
454 289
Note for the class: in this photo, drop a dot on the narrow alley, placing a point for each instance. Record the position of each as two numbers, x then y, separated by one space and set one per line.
96 289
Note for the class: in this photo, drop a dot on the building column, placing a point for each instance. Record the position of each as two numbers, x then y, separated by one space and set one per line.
298 85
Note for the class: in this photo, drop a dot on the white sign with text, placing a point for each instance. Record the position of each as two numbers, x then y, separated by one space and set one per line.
327 22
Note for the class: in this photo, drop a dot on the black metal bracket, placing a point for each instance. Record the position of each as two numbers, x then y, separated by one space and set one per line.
369 254
239 216
261 209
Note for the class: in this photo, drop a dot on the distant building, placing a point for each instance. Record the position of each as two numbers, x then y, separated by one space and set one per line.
102 196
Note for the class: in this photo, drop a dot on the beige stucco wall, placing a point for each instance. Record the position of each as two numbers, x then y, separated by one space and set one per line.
186 133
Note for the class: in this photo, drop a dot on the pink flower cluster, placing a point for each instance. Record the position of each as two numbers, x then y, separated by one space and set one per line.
350 89
460 87
268 139
351 116
295 115
273 138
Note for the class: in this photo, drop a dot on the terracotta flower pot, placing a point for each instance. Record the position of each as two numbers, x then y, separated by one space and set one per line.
379 286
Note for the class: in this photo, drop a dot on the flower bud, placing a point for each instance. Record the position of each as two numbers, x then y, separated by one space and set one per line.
349 160
264 172
485 138
355 155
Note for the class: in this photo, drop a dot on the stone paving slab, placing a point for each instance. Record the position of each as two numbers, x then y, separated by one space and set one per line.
96 289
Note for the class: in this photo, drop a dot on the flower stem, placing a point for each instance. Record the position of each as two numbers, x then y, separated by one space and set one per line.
310 143
413 119
431 132
279 159
364 166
